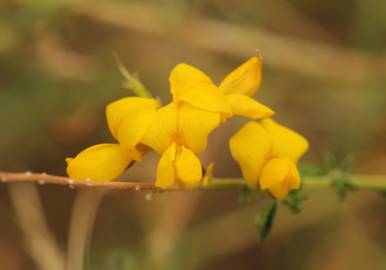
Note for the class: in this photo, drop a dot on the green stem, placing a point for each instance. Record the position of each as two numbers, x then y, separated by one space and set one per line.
372 182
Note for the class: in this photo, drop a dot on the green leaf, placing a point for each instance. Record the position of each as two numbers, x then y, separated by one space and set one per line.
329 161
310 169
264 220
343 186
347 163
295 199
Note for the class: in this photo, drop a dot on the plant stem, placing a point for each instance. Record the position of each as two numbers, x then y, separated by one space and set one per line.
361 181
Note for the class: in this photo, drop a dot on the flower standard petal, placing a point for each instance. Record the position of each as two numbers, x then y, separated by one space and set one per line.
166 169
183 77
188 167
101 162
163 128
250 147
195 125
245 79
206 96
248 107
286 143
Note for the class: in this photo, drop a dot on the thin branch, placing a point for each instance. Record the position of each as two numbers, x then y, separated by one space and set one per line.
362 181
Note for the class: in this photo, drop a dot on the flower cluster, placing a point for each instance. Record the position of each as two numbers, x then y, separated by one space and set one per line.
266 151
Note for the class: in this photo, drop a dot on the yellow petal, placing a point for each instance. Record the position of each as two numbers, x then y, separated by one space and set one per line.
183 77
129 118
274 172
248 107
163 129
195 125
205 96
101 162
294 176
166 169
250 147
279 190
188 167
243 80
286 143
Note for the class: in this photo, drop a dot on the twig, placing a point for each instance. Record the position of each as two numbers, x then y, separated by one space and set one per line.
363 181
40 242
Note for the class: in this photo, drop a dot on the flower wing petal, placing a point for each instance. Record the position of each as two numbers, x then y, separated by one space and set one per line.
206 96
245 79
129 118
195 125
160 133
166 169
188 167
286 143
248 107
250 147
274 172
101 162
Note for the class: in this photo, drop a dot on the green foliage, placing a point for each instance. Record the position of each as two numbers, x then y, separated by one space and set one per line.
347 163
329 162
264 220
342 186
310 169
295 199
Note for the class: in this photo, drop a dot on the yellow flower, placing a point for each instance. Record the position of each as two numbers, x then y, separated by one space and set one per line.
267 153
233 96
128 120
177 132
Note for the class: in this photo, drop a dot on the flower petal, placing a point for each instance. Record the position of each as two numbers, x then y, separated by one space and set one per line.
163 129
183 77
248 107
294 177
166 169
101 162
129 118
188 167
286 143
250 147
195 125
205 96
280 190
274 172
243 80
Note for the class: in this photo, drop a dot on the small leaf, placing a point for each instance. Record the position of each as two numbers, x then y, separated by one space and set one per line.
310 169
329 161
342 186
295 199
264 220
347 163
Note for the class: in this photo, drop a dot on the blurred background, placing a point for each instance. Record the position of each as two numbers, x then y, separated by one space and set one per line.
324 74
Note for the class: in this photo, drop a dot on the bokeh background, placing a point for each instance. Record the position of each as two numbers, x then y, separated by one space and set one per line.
324 75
